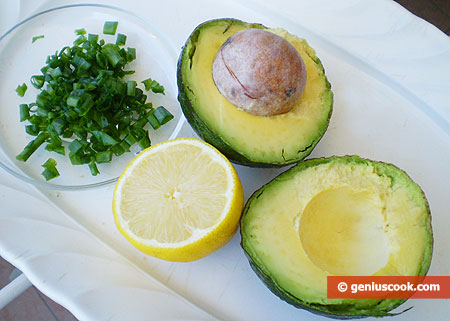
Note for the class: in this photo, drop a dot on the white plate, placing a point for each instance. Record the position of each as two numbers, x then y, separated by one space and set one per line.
389 106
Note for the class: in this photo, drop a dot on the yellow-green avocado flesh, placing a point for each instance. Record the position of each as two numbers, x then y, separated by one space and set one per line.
245 138
337 216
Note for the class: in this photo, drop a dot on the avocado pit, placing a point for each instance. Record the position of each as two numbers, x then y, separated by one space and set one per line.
259 72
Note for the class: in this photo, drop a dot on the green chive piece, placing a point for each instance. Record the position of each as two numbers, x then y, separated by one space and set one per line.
118 150
112 53
24 112
80 31
32 146
121 39
32 130
81 39
83 95
162 115
50 163
110 27
104 138
130 139
50 170
93 37
144 142
37 81
131 54
93 168
76 146
35 38
72 101
21 89
54 72
131 87
103 157
153 85
56 148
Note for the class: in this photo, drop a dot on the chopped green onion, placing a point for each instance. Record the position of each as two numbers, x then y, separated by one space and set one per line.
32 130
50 170
35 38
83 95
162 115
153 121
110 27
103 157
144 142
131 87
93 168
54 72
32 146
56 148
21 89
37 81
112 53
117 150
130 139
93 37
72 101
80 32
104 138
76 146
50 163
24 112
59 124
77 159
81 39
131 54
153 85
121 39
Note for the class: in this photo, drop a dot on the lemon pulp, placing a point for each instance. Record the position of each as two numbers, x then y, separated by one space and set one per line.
179 200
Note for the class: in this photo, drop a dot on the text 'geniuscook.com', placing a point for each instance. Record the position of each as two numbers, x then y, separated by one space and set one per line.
391 287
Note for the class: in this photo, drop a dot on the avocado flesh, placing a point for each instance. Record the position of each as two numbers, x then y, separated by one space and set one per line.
245 138
336 216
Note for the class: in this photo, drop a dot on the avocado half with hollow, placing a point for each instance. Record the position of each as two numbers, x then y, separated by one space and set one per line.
243 137
343 216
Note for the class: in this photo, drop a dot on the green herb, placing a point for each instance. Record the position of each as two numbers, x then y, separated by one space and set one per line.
153 85
36 38
121 39
50 170
37 81
110 27
81 31
83 95
32 146
152 120
93 168
24 112
92 37
162 115
21 89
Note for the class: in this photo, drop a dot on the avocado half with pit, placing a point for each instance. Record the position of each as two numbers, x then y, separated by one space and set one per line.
245 138
343 216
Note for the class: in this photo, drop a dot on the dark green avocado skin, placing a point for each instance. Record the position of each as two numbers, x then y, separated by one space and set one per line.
207 133
336 311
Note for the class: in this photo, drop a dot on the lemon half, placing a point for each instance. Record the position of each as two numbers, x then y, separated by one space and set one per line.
179 200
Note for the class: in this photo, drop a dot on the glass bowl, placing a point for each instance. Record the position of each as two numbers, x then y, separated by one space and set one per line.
20 58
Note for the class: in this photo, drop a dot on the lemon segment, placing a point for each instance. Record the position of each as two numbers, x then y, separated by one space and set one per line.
179 200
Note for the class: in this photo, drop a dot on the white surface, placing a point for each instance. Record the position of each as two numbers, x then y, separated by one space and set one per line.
390 76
